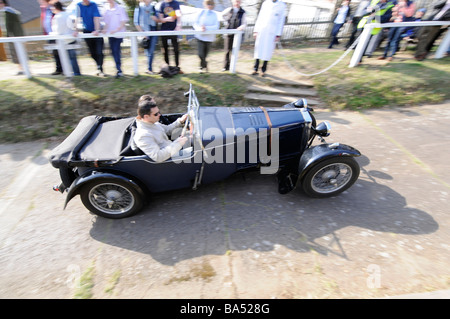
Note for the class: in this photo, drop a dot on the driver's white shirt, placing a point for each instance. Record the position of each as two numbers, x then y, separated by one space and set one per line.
153 141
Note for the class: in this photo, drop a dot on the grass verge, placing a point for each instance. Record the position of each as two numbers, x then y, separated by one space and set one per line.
373 84
43 107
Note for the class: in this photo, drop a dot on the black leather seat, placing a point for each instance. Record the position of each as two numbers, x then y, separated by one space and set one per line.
131 149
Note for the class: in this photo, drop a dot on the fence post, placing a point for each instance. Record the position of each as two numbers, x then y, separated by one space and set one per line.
235 51
362 44
23 57
64 58
444 46
63 48
134 54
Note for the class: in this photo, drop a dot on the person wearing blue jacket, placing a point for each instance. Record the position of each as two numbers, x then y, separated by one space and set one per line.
206 20
343 15
145 18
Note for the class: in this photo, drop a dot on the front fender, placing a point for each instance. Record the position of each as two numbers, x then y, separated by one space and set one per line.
318 153
82 180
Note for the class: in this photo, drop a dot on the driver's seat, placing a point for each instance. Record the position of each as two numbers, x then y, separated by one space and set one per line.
131 149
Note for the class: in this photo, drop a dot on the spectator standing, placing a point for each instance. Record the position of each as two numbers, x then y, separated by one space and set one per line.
46 23
410 33
145 18
379 12
235 18
342 16
88 12
267 31
356 18
115 18
427 35
404 11
60 26
14 28
206 20
170 18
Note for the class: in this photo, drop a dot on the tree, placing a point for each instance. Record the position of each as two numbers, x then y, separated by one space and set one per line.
131 4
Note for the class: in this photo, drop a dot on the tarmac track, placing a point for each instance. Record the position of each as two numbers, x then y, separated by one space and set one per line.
386 236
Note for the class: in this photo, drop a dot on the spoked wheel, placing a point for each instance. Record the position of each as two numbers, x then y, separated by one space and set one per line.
111 199
331 177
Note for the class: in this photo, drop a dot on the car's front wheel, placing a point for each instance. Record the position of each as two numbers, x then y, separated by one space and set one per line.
111 198
331 177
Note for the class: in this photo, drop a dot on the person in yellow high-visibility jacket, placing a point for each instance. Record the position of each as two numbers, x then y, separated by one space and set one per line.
370 14
380 11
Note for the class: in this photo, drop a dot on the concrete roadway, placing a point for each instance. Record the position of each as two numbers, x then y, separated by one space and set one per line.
386 236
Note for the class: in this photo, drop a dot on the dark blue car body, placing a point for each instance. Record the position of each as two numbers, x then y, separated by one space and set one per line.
99 161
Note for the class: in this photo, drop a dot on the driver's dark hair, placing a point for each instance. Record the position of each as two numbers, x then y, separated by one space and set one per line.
145 104
58 6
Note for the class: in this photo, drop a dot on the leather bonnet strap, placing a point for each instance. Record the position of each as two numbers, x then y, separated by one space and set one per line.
269 123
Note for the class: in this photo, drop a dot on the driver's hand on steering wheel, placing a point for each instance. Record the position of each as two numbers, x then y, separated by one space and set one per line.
182 140
183 118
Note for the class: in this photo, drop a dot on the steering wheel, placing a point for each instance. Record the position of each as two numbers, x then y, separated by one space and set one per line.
192 117
188 124
191 124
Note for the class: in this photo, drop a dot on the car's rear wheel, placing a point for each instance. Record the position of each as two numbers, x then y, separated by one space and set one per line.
331 177
111 198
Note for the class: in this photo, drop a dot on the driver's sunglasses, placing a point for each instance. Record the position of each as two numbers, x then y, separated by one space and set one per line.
156 114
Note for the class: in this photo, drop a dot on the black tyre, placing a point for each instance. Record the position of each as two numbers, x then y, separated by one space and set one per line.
331 177
111 198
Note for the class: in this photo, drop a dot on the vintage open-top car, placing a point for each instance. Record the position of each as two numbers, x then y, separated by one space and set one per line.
100 162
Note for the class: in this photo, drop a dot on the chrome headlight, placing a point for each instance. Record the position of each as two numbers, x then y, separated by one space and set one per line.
323 129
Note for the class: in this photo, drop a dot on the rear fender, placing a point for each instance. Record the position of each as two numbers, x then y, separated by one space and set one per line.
318 153
82 180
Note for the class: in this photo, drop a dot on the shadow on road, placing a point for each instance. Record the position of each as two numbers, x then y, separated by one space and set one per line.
246 212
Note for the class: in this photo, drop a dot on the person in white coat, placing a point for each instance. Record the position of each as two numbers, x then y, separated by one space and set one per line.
267 31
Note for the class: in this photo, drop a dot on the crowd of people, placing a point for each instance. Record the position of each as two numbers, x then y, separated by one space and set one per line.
384 11
151 135
105 23
267 30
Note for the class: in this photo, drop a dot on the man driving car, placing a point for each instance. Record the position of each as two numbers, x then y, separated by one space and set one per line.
151 135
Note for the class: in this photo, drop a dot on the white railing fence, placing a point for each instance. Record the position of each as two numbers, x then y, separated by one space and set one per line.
19 44
62 47
365 37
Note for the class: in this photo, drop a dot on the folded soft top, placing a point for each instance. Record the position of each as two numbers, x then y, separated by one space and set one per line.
94 139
